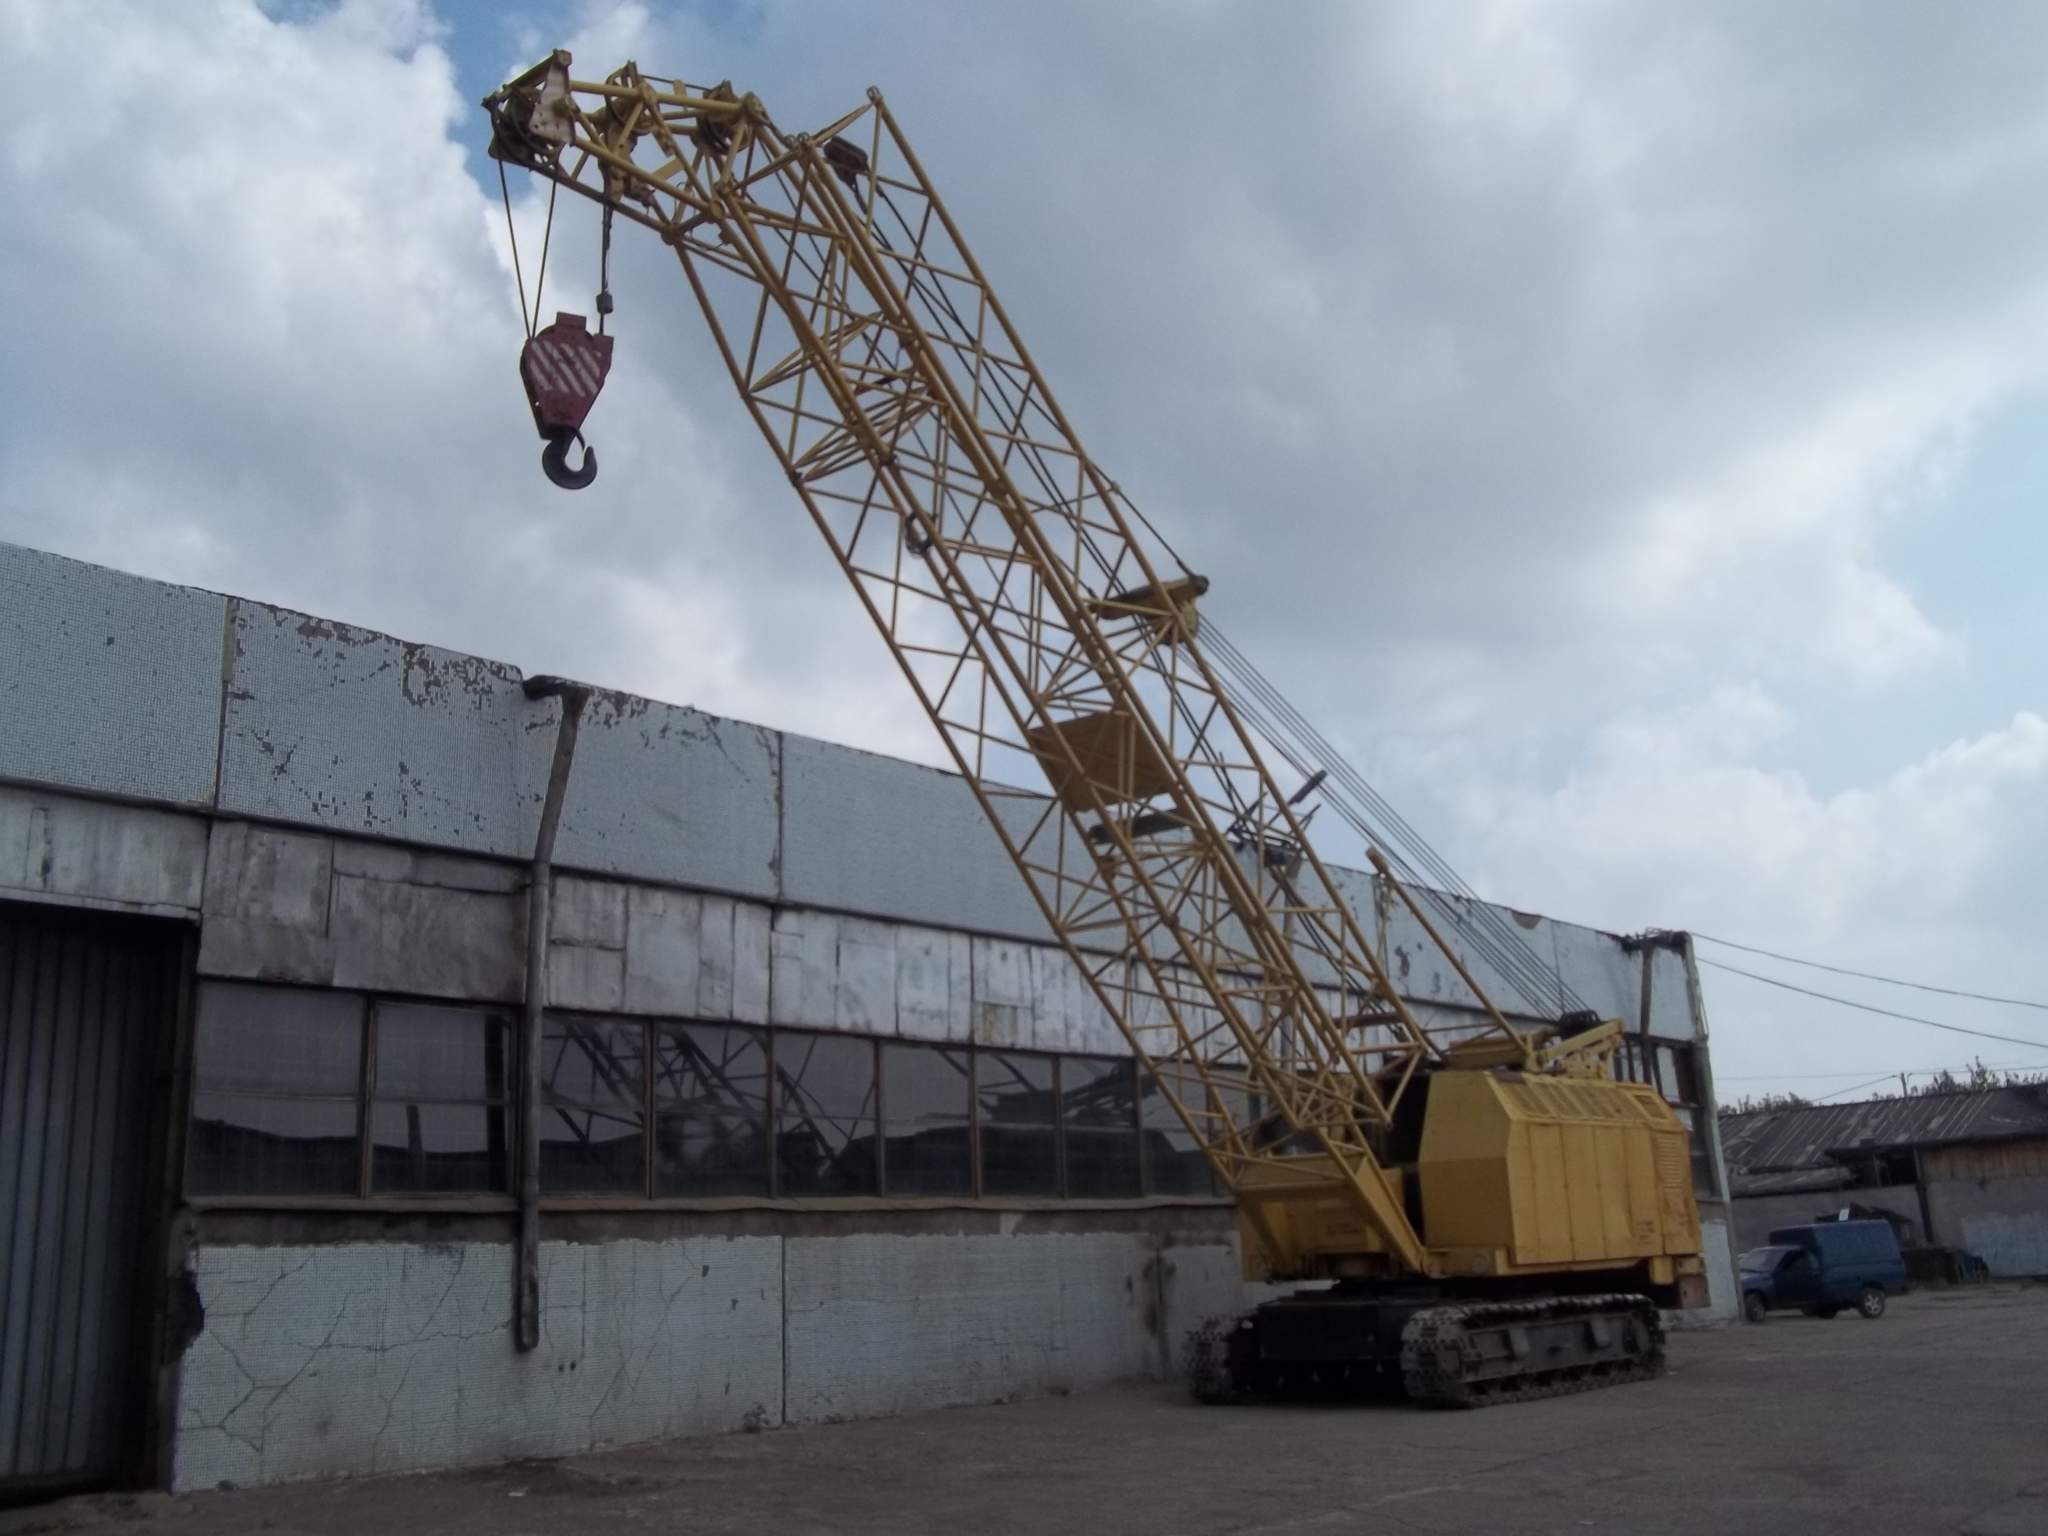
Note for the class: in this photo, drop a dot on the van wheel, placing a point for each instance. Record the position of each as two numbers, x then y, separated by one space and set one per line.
1754 1307
1871 1302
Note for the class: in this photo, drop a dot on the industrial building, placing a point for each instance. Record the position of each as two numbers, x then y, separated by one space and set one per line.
831 1128
1964 1170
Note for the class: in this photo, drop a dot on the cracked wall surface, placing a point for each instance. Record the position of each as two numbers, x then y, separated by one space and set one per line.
354 1358
881 1324
382 1357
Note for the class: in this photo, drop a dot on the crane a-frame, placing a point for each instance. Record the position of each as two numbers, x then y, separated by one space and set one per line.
1442 1174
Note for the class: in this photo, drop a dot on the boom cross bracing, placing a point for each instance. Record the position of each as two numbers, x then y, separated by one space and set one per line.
1054 647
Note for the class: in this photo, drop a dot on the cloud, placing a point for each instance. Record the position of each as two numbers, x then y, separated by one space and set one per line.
1542 387
1931 873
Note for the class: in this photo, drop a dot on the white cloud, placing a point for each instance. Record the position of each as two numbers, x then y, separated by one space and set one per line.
1678 819
1541 385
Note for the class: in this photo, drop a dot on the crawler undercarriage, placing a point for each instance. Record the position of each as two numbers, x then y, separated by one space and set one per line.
1438 1352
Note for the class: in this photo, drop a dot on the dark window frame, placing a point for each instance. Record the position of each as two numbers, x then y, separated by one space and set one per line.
779 1036
505 1102
645 1027
773 1038
967 1053
357 1098
762 1038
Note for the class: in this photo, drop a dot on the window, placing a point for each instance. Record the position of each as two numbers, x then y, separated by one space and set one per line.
926 1104
308 1093
1174 1162
275 1080
1019 1124
438 1116
1099 1111
593 1116
710 1110
824 1115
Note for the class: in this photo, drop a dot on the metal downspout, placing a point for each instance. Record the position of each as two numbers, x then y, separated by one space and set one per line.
1703 1071
539 884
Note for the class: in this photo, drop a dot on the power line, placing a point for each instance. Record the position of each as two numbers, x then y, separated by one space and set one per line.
1890 981
1910 1018
1811 1077
1823 1098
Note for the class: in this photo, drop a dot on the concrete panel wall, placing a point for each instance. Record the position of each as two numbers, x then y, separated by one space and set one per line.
383 1357
870 834
670 794
337 729
2003 1221
352 1358
344 728
108 683
884 1324
60 848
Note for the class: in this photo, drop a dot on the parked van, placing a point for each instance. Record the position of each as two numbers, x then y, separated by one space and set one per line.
1821 1269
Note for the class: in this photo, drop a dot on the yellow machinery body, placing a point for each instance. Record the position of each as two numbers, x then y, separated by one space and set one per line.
1515 1174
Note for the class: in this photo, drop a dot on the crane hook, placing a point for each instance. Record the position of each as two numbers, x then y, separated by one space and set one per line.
554 460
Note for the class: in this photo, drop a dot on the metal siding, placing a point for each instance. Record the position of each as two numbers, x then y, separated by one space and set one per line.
96 660
80 1002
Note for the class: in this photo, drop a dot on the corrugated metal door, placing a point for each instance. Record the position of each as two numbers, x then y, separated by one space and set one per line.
84 1005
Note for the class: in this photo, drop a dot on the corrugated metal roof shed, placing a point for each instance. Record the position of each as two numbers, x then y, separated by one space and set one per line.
1813 1136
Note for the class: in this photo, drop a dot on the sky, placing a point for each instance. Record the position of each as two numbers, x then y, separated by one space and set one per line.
1619 426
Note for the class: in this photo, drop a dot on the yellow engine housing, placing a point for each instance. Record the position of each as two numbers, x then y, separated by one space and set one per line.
1522 1172
1518 1173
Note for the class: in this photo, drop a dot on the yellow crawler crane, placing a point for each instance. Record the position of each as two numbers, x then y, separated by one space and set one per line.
1501 1217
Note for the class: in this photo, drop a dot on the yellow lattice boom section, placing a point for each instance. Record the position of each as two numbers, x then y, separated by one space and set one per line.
1060 661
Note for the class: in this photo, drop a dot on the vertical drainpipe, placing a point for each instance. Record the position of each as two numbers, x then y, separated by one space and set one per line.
540 880
1703 1070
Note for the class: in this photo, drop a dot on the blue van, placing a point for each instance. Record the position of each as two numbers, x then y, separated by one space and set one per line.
1821 1269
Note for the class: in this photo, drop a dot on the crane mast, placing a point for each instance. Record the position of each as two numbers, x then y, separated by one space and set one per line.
1062 665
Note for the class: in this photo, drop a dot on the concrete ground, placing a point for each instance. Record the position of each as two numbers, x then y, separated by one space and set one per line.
1928 1420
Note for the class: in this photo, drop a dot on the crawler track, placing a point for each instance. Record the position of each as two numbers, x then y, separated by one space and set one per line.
1477 1354
1453 1355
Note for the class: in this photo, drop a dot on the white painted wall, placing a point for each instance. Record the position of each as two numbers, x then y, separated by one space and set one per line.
353 1358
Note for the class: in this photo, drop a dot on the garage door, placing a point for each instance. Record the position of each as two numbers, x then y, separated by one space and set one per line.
84 1005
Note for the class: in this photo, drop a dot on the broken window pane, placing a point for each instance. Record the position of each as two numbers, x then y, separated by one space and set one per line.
925 1093
593 1120
1174 1163
711 1110
1019 1124
1098 1104
824 1115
